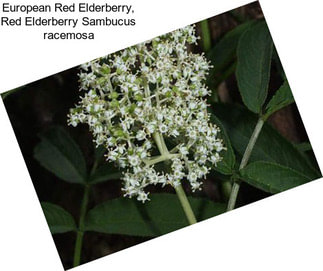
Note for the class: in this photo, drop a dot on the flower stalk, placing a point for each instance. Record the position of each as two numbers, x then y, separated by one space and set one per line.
185 204
178 187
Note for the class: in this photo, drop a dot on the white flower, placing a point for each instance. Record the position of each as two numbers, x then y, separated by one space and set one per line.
183 150
163 128
141 100
142 196
151 127
141 135
112 155
98 129
196 186
174 133
134 160
192 177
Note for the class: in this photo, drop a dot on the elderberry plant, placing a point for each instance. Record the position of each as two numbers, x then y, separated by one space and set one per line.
146 109
138 99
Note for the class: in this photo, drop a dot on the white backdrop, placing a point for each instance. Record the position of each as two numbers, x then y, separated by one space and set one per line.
283 232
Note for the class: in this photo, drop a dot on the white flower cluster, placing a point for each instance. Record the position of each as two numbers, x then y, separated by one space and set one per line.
145 105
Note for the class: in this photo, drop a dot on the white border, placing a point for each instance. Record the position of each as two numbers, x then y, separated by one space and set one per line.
283 232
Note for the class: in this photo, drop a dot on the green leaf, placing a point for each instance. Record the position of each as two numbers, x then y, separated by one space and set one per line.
58 153
59 220
162 214
226 166
253 68
304 146
282 98
272 178
99 153
224 52
106 172
270 146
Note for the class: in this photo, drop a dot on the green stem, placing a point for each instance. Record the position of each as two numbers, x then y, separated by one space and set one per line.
244 161
185 204
161 158
78 248
165 155
159 143
226 189
251 144
206 35
80 232
233 195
